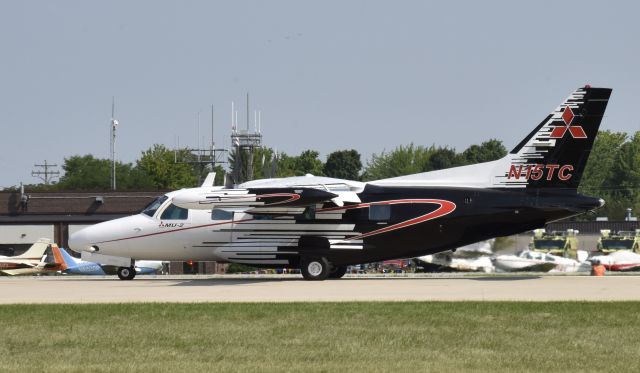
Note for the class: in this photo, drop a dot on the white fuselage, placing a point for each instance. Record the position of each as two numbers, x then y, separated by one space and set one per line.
218 235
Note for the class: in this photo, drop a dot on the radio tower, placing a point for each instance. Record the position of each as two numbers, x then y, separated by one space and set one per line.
245 143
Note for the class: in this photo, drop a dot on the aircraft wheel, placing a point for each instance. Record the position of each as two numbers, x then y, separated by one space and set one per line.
126 273
315 268
338 272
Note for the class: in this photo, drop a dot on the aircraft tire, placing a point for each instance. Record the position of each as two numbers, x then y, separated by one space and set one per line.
126 273
315 268
338 272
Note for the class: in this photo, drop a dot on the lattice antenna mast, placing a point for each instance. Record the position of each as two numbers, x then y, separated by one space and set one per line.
245 143
202 156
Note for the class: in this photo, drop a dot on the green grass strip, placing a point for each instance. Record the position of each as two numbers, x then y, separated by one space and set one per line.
322 337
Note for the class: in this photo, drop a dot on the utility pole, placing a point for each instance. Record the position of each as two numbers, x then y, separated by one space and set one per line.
46 174
113 126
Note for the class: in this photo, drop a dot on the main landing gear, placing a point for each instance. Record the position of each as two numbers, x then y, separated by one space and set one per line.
319 268
338 272
126 273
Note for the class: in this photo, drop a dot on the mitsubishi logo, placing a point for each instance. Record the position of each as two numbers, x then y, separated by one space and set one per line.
577 132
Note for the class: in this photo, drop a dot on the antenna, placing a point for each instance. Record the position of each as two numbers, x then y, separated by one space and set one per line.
212 142
233 123
198 137
245 143
202 156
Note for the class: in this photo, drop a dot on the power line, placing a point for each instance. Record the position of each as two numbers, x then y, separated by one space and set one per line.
45 173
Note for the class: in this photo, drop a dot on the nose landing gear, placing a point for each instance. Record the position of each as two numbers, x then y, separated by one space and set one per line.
126 273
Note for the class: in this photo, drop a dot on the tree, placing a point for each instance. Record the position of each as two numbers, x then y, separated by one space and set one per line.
158 164
487 151
442 158
285 166
89 173
343 164
598 178
308 163
403 160
626 175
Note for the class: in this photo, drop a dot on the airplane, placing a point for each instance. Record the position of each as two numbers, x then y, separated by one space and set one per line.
39 258
80 267
321 225
470 258
534 261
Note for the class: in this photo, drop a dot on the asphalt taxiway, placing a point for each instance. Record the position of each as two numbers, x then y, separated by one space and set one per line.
278 288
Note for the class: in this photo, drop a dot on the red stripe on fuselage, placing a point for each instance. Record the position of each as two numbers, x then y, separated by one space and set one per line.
176 230
446 207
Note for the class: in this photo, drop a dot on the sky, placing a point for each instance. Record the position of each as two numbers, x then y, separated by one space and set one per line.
326 75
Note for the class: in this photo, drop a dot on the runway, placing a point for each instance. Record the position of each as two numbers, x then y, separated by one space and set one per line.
279 288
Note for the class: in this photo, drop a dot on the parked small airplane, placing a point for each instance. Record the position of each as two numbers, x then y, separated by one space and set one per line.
470 258
80 267
321 225
621 260
533 261
39 258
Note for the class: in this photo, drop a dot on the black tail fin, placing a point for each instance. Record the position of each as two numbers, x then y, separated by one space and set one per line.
555 154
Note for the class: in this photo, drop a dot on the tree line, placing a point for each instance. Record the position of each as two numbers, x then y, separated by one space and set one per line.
613 170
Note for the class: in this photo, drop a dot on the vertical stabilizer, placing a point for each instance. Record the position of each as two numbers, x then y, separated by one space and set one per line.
37 250
555 153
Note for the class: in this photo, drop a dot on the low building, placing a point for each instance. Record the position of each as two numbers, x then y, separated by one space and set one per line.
56 215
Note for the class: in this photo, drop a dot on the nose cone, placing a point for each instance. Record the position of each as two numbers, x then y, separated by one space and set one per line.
80 240
110 237
95 236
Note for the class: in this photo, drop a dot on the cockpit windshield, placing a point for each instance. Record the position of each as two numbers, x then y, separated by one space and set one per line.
154 206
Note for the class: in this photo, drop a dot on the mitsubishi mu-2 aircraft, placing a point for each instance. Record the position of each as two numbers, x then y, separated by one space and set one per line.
321 225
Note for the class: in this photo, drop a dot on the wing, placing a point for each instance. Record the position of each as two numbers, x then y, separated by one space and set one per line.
20 271
255 199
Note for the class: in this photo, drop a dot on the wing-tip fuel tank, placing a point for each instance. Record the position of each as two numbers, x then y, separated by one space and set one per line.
207 198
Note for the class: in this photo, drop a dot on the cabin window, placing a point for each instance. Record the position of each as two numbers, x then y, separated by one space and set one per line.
262 217
174 212
154 206
379 212
218 214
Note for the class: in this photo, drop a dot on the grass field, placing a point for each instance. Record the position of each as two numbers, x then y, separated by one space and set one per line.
464 336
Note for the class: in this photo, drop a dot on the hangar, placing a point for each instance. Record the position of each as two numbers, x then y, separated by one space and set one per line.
24 218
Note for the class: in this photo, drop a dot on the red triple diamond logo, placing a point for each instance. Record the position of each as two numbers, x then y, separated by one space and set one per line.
577 132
